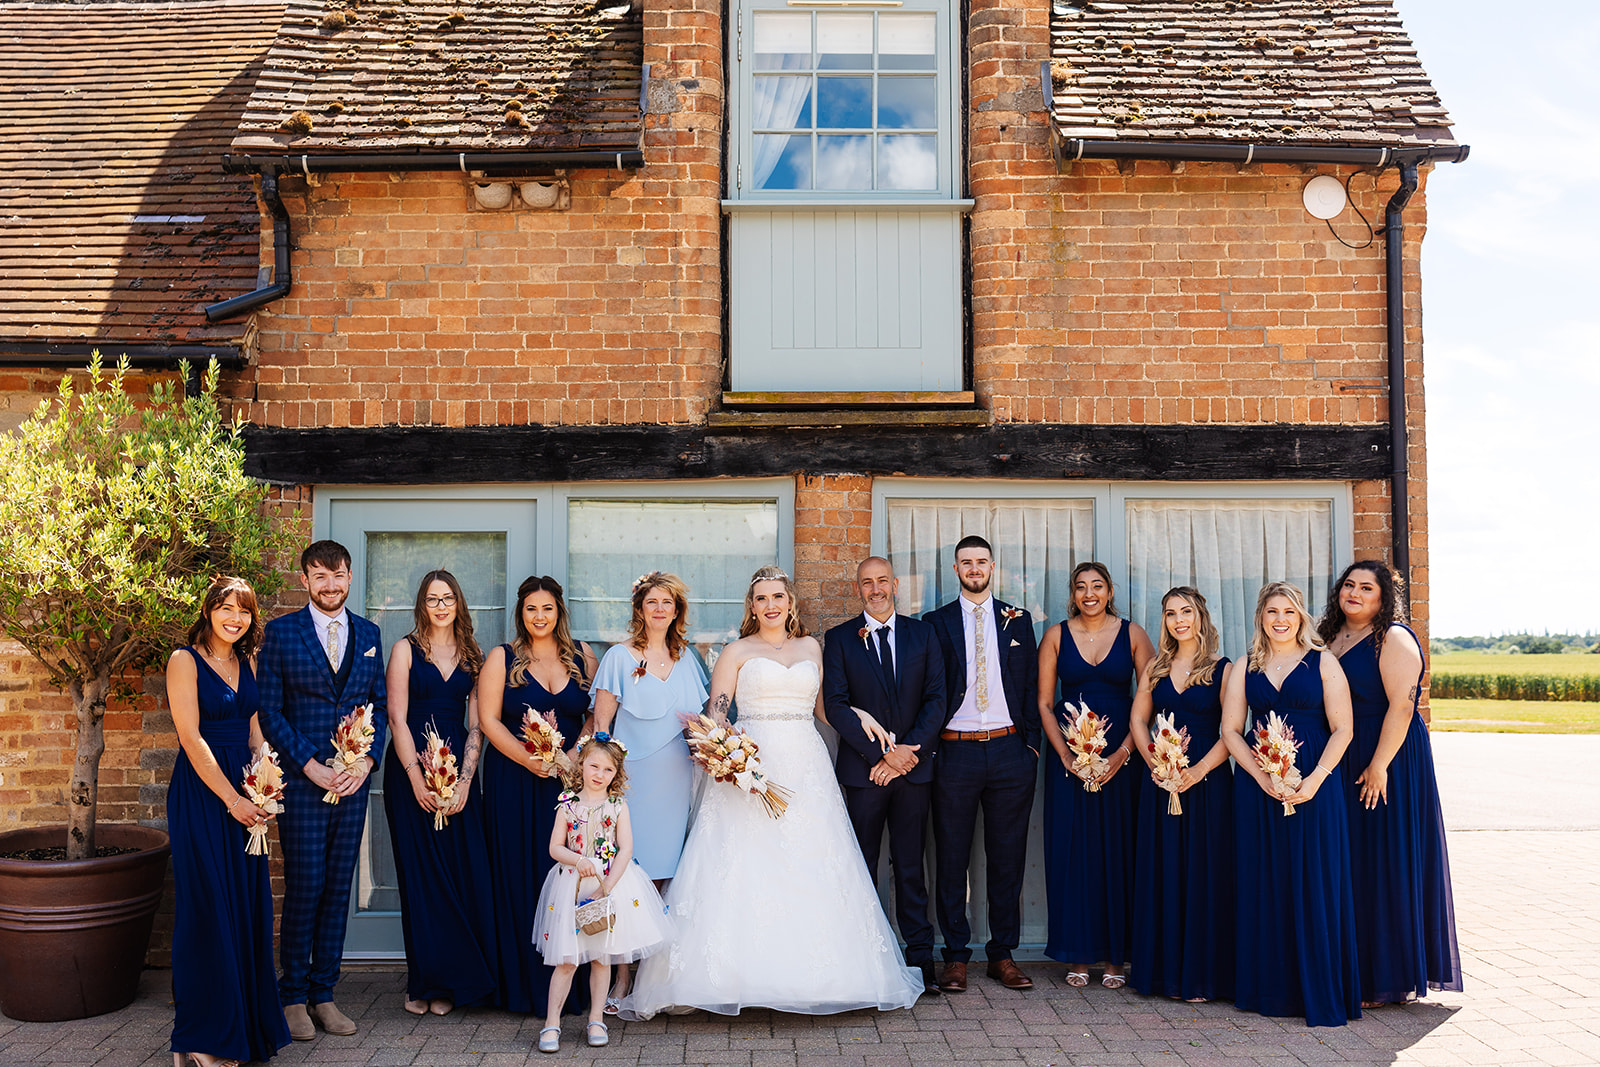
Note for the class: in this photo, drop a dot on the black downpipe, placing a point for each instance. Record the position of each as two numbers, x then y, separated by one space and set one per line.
238 305
1394 232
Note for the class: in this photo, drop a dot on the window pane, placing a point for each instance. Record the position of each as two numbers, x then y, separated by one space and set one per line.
844 103
781 102
783 161
1228 549
906 42
783 41
844 162
907 103
844 42
714 546
1036 544
908 161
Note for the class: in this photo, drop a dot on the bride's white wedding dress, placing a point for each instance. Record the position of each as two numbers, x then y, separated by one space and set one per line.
775 913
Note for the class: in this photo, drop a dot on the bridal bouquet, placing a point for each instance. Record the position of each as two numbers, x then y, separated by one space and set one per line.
1170 750
1086 737
263 787
1274 751
438 773
541 738
728 754
352 740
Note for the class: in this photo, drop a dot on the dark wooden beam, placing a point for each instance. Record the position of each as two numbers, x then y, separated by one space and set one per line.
399 455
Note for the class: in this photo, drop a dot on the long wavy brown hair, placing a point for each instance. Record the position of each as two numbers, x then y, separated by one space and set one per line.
1305 636
792 625
222 587
468 655
573 777
1205 660
1391 604
674 587
566 647
1072 588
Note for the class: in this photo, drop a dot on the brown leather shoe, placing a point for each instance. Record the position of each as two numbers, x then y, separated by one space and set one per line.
300 1027
955 978
1008 974
332 1019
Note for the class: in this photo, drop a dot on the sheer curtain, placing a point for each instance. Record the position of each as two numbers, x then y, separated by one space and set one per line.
1228 549
1036 545
776 102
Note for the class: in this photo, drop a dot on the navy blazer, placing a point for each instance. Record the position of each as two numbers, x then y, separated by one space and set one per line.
299 707
1019 662
851 677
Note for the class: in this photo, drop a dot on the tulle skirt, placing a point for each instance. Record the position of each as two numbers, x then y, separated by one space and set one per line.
641 926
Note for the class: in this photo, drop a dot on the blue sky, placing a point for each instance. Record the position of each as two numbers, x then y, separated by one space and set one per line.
1511 315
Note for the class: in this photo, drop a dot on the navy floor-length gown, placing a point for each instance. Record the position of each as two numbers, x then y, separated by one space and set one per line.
519 816
1183 881
1399 866
224 988
1296 914
446 904
1089 837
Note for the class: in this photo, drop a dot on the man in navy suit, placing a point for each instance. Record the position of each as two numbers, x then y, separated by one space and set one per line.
317 665
989 758
889 666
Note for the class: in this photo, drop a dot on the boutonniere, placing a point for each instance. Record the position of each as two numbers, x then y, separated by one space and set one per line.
863 634
639 671
1010 615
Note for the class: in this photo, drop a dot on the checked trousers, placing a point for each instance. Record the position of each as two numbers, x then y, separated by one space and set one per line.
321 843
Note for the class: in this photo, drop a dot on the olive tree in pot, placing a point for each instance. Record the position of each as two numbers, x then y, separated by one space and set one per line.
114 517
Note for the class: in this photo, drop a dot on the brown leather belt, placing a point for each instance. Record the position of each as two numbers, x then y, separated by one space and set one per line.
976 735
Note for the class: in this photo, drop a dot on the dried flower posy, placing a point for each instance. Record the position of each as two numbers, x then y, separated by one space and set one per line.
439 775
352 740
1169 751
1086 738
541 738
1274 751
263 787
729 754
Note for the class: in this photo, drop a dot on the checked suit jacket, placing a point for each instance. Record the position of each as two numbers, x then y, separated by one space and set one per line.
300 700
915 712
1019 662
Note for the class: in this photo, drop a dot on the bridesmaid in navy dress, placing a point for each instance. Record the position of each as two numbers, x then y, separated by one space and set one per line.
1088 836
224 988
1405 911
1296 917
542 669
1183 880
446 909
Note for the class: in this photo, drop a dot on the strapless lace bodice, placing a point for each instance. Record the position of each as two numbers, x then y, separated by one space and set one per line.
770 692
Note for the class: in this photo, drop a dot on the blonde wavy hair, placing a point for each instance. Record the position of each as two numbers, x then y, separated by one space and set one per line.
1205 660
573 776
792 625
1306 636
674 587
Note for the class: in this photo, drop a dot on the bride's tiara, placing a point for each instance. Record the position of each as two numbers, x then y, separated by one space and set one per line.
780 576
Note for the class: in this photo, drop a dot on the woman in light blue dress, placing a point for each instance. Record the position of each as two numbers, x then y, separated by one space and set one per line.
643 687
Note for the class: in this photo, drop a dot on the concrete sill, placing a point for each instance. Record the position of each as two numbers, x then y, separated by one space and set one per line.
804 401
839 418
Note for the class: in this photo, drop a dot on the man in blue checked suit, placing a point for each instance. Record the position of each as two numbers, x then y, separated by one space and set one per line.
317 665
988 758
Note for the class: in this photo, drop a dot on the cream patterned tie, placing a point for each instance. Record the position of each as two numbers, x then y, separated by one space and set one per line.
333 645
980 656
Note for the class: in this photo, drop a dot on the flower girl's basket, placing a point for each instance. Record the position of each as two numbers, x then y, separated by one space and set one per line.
594 914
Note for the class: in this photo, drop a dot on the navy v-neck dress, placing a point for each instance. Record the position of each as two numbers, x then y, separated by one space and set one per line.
1296 913
1088 837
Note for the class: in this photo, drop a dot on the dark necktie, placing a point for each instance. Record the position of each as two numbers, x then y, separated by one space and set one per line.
886 657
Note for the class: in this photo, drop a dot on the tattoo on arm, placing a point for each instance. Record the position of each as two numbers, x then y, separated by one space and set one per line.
718 708
1416 691
469 758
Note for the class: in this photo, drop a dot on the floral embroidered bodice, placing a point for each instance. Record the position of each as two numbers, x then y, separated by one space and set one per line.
592 831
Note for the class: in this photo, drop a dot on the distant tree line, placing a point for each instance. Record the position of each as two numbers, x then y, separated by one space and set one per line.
1532 644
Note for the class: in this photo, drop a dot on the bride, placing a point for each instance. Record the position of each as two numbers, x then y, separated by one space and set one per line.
774 913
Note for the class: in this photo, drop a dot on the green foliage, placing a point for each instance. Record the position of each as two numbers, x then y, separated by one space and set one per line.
115 517
1536 644
1461 685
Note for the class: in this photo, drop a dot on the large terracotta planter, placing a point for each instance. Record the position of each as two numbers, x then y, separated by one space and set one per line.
73 935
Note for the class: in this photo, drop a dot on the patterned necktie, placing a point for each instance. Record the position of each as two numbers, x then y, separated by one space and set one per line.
333 645
980 659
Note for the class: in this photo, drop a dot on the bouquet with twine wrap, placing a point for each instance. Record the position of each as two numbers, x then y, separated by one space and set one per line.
542 740
1086 738
439 774
1169 749
263 787
352 740
729 754
1274 751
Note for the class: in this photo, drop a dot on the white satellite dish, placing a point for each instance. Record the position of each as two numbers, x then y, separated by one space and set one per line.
1323 196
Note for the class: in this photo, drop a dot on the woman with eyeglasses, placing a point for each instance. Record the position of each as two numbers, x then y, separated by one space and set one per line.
446 910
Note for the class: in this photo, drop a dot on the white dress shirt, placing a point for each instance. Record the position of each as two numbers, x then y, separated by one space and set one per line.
873 626
997 716
321 621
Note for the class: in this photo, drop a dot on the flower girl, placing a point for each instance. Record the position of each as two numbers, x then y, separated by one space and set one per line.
597 905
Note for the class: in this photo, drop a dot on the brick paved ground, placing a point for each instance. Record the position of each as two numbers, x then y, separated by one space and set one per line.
1528 907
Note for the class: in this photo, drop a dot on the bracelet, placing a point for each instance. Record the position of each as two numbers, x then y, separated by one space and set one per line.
1324 770
413 763
235 803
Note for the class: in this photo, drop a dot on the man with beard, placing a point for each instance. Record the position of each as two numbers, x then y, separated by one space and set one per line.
989 758
317 665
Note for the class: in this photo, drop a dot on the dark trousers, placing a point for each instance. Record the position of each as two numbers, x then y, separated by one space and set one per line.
997 775
321 843
902 806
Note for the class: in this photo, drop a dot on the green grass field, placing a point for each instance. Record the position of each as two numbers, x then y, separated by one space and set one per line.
1569 665
1516 716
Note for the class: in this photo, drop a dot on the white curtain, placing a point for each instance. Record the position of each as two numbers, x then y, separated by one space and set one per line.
1228 549
776 102
1036 544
